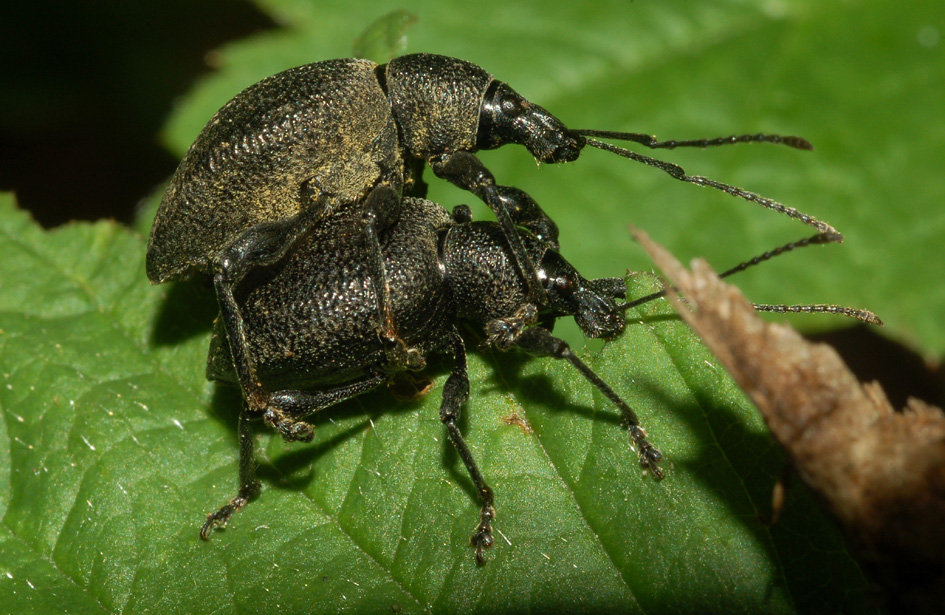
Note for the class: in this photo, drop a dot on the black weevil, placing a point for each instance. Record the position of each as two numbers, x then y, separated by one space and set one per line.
311 330
349 136
310 180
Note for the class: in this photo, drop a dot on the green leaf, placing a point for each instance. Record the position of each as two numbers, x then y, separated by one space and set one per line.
384 38
113 447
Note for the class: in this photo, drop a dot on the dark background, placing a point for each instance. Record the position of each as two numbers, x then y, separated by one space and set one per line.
86 88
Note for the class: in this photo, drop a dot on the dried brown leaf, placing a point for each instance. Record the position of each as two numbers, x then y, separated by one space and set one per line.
880 472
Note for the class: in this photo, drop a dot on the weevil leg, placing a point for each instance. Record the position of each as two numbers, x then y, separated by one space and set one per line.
455 394
286 408
526 213
249 486
284 411
539 342
511 207
259 246
380 211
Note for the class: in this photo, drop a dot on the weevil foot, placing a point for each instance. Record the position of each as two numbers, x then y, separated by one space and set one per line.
502 332
400 356
291 429
650 456
482 538
222 516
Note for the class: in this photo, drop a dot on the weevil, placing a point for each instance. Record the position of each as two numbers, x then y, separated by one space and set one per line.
310 328
345 136
310 182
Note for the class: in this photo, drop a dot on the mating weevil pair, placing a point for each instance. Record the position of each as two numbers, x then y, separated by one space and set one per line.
303 199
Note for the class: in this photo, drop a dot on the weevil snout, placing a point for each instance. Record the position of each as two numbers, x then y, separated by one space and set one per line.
507 117
591 302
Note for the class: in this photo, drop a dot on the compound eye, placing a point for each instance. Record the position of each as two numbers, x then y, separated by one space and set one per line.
514 106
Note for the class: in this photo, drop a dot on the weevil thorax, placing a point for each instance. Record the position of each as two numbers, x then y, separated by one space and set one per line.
435 101
486 285
479 271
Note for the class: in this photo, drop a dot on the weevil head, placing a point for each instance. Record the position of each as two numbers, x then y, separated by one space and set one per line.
591 302
507 117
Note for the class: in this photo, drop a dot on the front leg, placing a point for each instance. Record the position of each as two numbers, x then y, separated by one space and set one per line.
455 394
511 207
539 342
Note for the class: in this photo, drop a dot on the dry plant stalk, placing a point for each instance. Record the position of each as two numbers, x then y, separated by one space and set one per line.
879 471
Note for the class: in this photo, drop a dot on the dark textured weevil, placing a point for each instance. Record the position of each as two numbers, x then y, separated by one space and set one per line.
310 324
351 136
318 168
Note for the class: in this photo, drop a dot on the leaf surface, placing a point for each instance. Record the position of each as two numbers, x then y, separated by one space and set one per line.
113 447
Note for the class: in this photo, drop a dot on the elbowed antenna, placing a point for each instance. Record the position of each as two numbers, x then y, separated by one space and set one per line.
821 238
654 143
679 173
